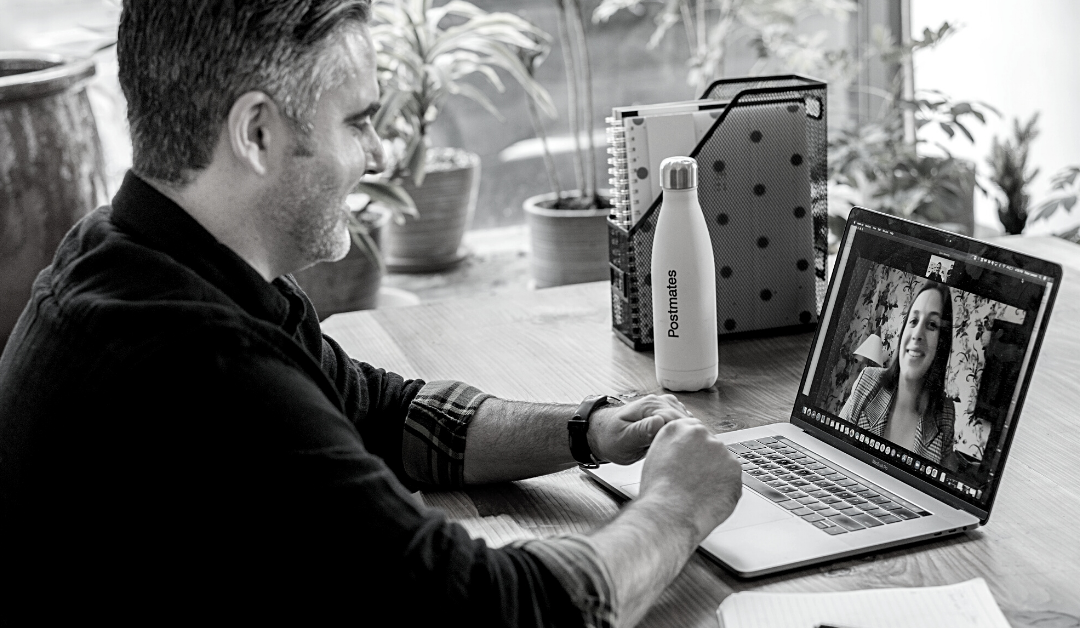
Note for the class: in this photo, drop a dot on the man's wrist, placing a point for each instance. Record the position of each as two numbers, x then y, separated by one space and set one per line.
600 416
679 516
580 430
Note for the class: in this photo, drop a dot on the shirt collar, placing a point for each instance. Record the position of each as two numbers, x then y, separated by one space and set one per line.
148 215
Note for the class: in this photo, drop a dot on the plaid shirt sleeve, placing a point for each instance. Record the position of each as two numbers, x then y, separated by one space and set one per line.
575 563
433 451
433 442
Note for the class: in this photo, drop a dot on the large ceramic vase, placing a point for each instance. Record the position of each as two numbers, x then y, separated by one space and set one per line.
567 245
51 167
446 202
351 283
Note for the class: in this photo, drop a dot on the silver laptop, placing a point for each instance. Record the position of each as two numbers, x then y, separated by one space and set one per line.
843 476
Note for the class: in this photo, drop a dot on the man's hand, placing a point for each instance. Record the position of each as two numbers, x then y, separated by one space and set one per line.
623 434
689 485
694 474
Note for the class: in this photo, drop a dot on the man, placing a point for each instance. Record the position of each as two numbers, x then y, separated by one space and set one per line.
173 422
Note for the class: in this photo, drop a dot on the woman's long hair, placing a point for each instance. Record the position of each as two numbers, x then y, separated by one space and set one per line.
934 380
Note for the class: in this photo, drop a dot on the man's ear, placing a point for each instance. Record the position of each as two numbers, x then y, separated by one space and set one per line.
254 128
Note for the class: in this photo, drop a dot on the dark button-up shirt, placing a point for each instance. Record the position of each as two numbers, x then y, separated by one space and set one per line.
164 411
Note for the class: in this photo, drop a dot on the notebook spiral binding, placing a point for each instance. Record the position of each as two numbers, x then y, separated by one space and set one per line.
620 187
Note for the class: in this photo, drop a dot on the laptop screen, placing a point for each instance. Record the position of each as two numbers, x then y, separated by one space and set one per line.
926 346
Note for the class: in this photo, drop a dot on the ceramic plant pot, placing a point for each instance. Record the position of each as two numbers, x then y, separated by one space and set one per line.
51 167
446 202
568 245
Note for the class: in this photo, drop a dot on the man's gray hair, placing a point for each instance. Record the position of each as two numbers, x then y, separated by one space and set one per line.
183 63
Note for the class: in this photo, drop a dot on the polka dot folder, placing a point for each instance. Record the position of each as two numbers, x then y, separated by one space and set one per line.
761 148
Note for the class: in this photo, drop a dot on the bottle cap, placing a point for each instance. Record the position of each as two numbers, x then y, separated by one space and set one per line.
678 173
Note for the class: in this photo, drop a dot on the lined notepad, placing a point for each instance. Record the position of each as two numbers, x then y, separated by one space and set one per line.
964 605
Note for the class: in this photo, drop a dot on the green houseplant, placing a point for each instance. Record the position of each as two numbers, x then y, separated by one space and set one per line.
883 162
770 27
426 55
1064 193
1009 172
568 226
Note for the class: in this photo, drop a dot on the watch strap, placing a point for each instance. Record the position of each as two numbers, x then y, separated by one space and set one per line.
578 426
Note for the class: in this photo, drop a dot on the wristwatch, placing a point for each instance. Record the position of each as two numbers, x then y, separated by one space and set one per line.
578 426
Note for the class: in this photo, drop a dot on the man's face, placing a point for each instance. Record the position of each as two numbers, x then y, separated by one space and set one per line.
307 203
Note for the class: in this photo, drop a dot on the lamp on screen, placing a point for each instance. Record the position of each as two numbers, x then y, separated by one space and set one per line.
872 350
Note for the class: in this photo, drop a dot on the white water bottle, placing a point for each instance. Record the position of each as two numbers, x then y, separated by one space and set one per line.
683 284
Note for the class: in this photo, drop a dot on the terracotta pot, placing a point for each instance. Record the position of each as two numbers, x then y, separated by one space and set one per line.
348 284
568 245
51 167
446 202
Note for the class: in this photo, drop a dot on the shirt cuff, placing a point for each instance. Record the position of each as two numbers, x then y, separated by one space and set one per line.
433 442
576 564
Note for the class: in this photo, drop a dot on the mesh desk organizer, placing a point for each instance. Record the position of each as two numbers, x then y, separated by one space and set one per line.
761 152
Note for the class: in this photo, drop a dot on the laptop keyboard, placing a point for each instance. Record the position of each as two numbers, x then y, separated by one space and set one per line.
819 492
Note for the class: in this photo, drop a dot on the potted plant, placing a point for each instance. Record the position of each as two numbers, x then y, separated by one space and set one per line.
873 165
883 163
568 227
425 55
1009 172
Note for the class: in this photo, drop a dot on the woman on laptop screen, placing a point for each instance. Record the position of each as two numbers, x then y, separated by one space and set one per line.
906 403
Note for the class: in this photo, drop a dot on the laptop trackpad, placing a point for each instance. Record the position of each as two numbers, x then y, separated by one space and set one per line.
752 510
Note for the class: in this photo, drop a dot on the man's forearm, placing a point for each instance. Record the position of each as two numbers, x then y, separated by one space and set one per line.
644 549
511 440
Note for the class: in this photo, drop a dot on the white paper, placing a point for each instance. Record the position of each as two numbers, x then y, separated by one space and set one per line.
964 605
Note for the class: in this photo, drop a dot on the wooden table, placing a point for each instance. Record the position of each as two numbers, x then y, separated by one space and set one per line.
557 345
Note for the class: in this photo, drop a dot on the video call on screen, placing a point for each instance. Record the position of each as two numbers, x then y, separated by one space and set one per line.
994 313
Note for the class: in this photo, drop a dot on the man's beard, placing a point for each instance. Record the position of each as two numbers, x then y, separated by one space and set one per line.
310 213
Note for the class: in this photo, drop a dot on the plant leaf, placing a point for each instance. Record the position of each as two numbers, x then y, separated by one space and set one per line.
363 241
390 195
963 128
418 163
475 94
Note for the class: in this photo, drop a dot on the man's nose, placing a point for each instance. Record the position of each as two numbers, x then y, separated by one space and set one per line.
376 157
